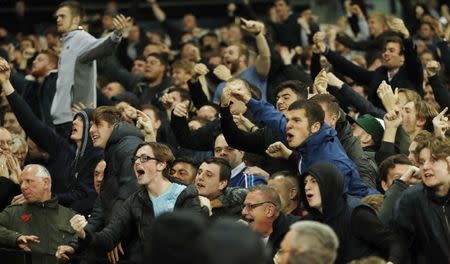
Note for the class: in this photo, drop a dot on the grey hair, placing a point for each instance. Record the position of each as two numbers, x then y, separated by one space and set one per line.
270 194
316 237
18 142
42 172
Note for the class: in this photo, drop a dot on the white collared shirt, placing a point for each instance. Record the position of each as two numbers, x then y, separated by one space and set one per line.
236 170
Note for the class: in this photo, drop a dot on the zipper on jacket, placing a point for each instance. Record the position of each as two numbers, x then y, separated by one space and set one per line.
445 216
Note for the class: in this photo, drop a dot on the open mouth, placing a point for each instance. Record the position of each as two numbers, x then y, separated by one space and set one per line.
428 175
140 172
289 137
199 185
309 196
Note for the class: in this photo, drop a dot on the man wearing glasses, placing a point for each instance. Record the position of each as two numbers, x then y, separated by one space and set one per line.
262 212
155 196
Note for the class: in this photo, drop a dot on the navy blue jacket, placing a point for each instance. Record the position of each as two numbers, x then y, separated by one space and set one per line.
322 145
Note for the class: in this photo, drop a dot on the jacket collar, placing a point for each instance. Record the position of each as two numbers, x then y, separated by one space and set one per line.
52 203
324 134
441 200
66 36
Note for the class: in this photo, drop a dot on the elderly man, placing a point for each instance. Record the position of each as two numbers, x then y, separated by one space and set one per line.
40 224
308 240
263 214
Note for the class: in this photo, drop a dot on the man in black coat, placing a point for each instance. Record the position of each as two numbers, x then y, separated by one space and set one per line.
422 214
401 66
39 93
119 141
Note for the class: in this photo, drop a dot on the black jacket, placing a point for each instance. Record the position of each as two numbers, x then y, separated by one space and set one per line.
409 76
280 227
72 170
151 95
288 33
8 189
200 139
390 198
122 51
421 219
367 169
254 142
38 96
372 46
358 228
120 180
134 218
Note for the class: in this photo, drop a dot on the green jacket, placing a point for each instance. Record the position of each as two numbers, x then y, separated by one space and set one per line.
47 220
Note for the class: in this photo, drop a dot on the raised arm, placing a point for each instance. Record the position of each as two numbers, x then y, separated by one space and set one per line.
111 235
200 139
255 141
262 62
344 66
263 112
98 48
44 136
157 11
438 84
198 85
362 104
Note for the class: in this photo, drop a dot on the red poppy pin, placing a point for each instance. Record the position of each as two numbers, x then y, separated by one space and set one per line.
26 217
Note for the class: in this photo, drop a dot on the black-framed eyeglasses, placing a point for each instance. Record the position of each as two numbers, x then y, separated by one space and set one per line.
143 158
255 205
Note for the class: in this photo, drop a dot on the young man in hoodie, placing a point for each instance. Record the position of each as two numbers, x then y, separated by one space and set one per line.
119 140
357 226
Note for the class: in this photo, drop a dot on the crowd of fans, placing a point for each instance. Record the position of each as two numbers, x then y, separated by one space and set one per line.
271 139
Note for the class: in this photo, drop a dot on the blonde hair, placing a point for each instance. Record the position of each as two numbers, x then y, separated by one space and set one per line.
17 143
